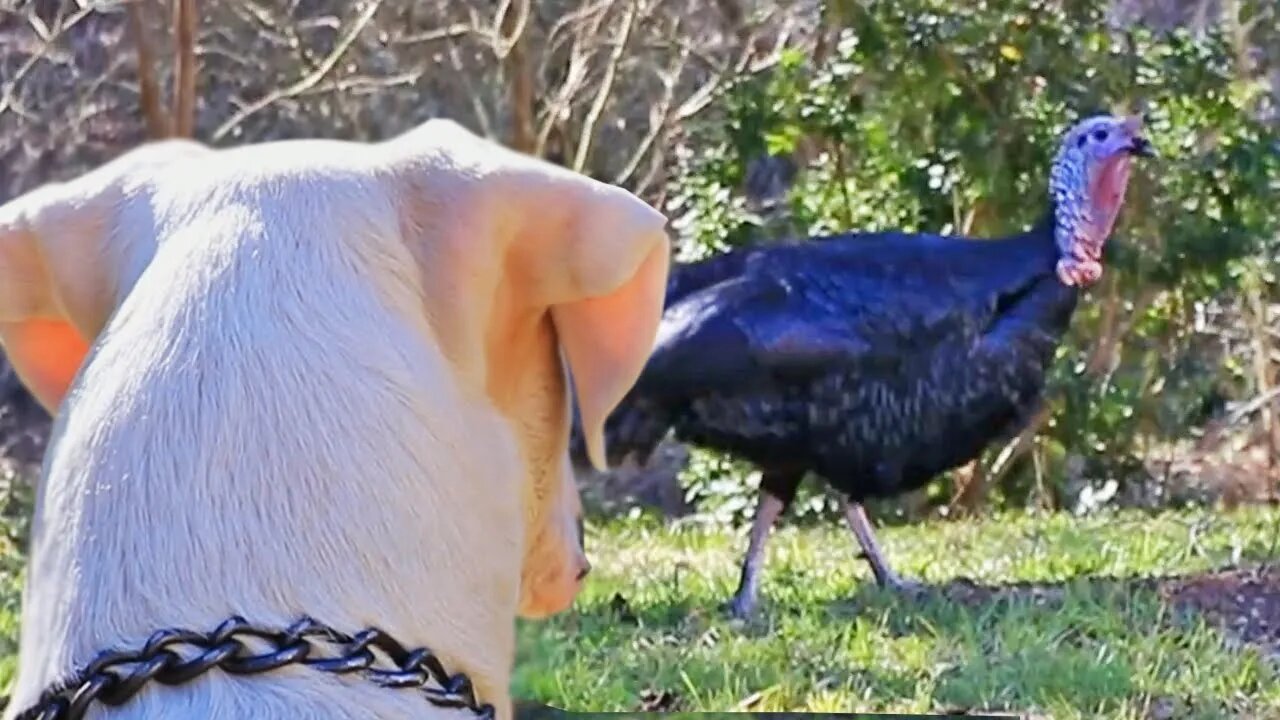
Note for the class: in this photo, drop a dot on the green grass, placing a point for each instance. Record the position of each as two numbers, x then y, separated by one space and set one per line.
11 565
826 640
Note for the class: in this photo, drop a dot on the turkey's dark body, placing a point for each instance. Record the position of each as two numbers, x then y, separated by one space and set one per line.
877 361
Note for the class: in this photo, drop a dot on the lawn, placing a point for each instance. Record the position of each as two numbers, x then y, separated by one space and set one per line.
1059 617
1055 619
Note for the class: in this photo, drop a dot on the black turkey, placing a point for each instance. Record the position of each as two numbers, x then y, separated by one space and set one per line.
875 360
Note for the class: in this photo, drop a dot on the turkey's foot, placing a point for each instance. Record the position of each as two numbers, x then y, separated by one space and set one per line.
887 578
911 588
856 516
741 607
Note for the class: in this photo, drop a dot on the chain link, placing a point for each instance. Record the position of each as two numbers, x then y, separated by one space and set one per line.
115 676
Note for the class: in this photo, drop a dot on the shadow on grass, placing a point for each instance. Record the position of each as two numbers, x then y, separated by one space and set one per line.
1089 641
1243 600
1240 604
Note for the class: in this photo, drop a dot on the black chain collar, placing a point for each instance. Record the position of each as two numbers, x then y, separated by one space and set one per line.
115 676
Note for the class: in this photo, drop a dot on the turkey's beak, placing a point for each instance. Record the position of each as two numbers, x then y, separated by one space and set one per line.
1141 147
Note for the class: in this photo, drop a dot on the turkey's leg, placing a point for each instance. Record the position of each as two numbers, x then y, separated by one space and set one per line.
860 524
767 512
776 493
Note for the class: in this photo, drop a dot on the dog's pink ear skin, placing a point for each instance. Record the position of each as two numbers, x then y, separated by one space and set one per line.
45 355
45 350
618 258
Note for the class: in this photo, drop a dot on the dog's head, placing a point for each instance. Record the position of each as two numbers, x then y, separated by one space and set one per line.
529 275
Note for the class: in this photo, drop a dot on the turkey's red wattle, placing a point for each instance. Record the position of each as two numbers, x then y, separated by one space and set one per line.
1105 194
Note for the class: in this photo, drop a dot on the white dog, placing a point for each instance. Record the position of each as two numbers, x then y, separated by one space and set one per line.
316 378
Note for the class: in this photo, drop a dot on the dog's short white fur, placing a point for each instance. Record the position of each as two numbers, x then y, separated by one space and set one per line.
316 377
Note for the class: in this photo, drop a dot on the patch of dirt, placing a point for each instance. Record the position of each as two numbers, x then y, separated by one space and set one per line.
1245 603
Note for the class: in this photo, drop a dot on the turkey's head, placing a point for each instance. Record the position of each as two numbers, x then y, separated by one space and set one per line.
1087 184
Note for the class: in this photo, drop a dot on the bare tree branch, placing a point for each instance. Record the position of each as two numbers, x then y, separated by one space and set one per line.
307 82
473 93
659 118
357 85
7 97
587 134
48 37
456 30
511 28
576 72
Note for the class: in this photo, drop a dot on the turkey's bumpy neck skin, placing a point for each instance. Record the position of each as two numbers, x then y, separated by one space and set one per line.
1069 211
1081 253
1087 195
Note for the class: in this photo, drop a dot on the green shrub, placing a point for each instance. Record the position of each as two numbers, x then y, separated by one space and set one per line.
929 116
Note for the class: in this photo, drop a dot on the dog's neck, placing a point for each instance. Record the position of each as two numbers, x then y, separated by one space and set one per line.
239 447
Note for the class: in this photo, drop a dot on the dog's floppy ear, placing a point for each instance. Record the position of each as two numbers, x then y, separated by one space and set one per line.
63 255
615 257
36 333
61 259
591 255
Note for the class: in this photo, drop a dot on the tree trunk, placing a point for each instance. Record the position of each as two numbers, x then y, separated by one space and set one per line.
148 89
184 68
519 73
